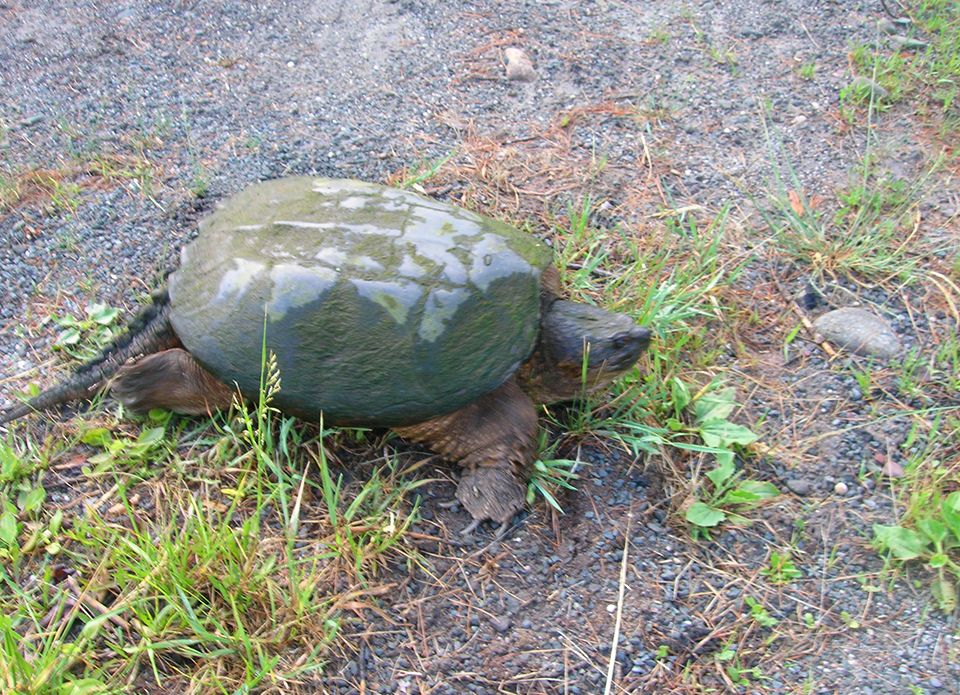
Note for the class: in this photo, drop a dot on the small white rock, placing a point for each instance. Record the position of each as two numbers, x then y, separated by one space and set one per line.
840 488
519 65
892 469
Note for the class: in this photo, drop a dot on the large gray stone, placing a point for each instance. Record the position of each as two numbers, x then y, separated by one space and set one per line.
859 331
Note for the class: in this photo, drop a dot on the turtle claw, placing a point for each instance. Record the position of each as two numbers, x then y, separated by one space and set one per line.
490 492
470 528
467 531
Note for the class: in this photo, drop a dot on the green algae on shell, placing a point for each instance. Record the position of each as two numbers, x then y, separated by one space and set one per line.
383 307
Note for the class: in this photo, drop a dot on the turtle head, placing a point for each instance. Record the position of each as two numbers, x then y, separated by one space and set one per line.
581 348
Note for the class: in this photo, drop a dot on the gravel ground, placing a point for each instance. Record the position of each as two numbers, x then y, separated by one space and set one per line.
208 97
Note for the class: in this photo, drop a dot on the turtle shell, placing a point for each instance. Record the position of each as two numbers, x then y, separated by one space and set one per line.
382 307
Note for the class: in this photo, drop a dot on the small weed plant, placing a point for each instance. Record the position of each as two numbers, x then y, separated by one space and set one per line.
781 569
930 533
759 612
22 493
84 338
737 673
548 476
59 186
423 170
871 234
927 530
209 587
725 494
923 65
652 408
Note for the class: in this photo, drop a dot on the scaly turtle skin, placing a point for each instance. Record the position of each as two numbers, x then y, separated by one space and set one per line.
384 308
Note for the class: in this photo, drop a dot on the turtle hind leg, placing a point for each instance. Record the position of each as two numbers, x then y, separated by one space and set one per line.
494 440
172 380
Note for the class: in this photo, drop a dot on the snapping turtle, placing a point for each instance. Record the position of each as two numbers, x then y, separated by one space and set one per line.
383 308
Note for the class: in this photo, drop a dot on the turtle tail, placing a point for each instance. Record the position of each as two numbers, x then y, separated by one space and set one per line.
149 332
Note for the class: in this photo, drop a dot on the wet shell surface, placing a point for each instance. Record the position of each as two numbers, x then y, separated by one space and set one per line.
382 307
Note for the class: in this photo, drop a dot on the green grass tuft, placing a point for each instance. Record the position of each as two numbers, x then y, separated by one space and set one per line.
206 565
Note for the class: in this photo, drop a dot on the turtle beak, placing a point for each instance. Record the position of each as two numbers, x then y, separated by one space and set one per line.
641 336
627 347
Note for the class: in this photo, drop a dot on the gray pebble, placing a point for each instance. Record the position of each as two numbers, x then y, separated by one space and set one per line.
859 331
799 486
906 43
864 82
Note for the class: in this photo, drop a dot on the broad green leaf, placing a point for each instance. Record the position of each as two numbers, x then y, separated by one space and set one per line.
33 499
151 436
760 488
725 654
101 459
700 448
704 515
8 528
675 425
719 475
724 457
945 592
721 433
904 543
933 529
71 336
950 511
83 686
759 612
733 497
98 436
937 560
159 414
679 394
715 406
104 335
104 315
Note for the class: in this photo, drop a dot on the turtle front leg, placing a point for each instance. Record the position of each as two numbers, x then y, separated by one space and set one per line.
494 439
173 380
